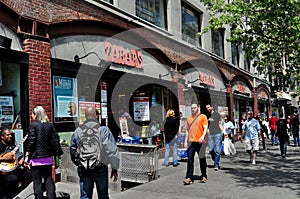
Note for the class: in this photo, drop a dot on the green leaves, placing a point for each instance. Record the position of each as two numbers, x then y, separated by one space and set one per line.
269 30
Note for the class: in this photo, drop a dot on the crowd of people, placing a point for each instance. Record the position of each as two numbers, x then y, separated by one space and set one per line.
202 129
209 128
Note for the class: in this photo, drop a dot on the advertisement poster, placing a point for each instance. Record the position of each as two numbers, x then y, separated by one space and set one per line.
65 99
83 105
124 126
6 111
141 109
104 110
103 91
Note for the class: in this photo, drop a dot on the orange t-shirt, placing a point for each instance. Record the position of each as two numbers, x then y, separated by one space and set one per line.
196 130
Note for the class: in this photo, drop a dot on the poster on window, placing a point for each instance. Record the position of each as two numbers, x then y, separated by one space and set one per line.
6 111
65 99
104 110
124 126
103 91
83 105
141 110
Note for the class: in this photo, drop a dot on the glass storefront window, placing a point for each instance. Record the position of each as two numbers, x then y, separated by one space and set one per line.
10 101
152 11
190 25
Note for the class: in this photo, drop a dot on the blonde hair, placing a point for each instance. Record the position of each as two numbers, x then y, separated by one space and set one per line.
170 113
40 114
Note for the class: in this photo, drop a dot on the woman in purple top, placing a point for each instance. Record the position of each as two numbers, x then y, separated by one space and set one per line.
39 152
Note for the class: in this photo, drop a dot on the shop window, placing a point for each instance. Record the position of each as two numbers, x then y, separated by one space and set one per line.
190 24
218 42
10 100
152 10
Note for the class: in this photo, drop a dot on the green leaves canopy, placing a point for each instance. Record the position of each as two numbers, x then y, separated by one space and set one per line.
269 31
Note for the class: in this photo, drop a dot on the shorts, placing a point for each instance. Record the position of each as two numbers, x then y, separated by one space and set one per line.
252 144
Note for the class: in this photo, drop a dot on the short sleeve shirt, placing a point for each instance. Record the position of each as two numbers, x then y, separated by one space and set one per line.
251 127
196 129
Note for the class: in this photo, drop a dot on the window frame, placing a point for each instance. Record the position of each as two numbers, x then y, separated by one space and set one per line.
199 14
221 45
163 14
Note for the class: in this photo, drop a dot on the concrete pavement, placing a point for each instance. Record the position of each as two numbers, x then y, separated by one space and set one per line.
271 178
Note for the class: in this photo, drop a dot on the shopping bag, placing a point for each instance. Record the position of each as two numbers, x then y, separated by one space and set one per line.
226 146
229 148
232 148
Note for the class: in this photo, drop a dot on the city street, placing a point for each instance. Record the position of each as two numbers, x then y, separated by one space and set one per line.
272 177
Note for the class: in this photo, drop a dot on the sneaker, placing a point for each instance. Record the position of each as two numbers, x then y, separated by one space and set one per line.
253 162
165 165
216 168
187 181
204 179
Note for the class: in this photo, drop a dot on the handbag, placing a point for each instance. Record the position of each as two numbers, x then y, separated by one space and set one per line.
56 146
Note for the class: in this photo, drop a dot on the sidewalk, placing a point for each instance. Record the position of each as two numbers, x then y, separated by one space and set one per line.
271 178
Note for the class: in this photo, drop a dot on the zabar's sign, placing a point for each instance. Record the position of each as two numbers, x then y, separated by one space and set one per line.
206 79
125 56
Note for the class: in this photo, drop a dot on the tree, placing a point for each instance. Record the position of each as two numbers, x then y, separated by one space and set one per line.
269 31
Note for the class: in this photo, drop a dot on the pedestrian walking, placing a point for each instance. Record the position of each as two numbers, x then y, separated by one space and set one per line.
251 135
272 126
215 135
263 130
281 131
92 148
39 152
229 127
295 128
171 136
196 129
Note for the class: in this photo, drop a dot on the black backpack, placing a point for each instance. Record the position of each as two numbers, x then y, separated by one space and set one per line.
89 147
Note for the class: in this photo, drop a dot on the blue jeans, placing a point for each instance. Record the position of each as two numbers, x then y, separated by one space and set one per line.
173 143
296 136
87 178
273 137
192 149
214 146
283 145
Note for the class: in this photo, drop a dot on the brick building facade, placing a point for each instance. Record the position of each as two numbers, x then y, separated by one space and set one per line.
40 26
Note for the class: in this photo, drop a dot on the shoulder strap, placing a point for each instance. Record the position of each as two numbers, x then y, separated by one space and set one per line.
193 121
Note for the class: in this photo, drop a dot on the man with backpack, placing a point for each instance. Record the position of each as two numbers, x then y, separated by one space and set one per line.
92 148
281 131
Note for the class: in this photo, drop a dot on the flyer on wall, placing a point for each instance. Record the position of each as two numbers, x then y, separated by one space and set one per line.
83 105
6 111
65 99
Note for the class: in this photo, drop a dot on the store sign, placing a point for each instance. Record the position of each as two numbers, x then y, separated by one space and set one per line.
206 79
125 56
241 88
